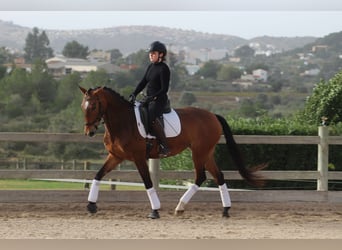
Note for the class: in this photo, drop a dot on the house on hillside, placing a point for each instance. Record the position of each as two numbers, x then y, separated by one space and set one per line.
192 69
260 75
99 56
18 63
60 66
247 80
316 48
311 72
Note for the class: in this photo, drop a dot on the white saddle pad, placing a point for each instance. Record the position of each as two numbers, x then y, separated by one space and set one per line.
172 124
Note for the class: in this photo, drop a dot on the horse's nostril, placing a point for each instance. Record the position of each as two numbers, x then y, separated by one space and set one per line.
91 134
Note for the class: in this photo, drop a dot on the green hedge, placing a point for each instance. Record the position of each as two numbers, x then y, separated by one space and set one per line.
279 157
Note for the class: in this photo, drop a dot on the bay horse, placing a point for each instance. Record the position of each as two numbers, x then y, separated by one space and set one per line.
200 131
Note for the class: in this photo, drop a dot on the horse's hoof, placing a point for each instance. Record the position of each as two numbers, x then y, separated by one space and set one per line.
92 208
225 213
154 214
179 212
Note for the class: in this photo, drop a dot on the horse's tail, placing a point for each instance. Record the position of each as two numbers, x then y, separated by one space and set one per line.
249 174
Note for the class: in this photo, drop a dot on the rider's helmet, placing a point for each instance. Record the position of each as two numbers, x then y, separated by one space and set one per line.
158 46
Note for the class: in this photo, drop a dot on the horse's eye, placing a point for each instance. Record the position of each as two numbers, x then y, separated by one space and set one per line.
93 106
90 105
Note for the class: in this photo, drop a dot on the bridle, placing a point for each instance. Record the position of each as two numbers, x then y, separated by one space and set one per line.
99 114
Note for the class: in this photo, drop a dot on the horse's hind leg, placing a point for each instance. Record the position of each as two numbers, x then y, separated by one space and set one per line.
199 179
109 165
219 179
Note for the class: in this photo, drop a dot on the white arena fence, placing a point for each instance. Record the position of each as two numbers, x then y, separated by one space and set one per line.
80 170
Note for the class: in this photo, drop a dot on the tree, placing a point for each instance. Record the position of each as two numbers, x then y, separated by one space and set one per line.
139 58
228 73
3 70
96 79
255 66
115 56
244 51
67 90
5 56
44 85
325 101
124 79
209 69
37 46
75 50
187 98
15 83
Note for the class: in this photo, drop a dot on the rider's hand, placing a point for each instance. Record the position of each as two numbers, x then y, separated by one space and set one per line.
131 98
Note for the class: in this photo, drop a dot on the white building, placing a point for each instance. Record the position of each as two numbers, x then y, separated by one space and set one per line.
260 75
61 65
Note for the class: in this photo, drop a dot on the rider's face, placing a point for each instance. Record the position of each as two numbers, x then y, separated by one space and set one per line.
155 56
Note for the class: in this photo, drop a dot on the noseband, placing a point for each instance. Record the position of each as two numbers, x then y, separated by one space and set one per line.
99 115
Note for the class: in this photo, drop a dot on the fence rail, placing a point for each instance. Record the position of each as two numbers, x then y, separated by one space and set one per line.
322 175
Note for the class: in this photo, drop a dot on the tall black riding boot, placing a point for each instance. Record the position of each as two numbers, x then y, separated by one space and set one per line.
159 131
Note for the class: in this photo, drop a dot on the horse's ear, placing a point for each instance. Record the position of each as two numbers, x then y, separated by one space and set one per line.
84 91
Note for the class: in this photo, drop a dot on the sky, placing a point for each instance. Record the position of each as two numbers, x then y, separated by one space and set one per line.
295 18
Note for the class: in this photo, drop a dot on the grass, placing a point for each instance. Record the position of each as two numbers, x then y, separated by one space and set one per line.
14 184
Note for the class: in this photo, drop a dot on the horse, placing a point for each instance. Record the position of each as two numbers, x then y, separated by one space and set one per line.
200 131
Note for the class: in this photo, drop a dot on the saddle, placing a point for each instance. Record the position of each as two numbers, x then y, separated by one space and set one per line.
170 121
144 116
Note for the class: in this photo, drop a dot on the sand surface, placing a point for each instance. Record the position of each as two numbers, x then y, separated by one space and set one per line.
296 220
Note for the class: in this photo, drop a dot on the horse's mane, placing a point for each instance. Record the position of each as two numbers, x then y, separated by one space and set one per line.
115 94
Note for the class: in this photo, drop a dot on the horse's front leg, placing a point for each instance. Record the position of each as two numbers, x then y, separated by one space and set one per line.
151 191
110 163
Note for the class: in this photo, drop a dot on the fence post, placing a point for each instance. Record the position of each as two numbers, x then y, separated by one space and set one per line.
86 165
154 166
323 158
24 163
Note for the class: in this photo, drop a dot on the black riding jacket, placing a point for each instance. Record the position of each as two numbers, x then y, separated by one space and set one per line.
157 81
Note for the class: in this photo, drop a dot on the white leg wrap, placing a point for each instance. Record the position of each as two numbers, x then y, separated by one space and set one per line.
189 193
180 206
153 197
225 197
94 191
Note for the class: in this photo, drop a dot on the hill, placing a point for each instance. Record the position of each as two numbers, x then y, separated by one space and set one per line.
129 39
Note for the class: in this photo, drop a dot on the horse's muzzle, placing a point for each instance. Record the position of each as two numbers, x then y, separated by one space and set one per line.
91 134
90 131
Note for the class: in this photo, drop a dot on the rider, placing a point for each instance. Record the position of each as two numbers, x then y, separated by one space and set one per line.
157 81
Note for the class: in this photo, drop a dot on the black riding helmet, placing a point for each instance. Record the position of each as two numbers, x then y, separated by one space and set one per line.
158 46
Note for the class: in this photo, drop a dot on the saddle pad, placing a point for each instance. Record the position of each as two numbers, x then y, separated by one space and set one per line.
172 124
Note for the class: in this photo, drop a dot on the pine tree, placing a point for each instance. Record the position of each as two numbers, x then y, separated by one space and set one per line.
37 46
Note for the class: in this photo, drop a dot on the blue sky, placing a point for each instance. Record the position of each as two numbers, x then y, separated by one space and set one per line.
244 18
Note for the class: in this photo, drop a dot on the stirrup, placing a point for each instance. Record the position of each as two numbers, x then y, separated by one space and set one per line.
163 151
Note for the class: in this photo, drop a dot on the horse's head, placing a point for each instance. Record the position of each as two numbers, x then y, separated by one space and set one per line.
92 109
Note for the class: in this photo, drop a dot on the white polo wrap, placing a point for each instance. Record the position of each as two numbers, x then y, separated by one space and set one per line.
225 197
189 193
153 197
94 191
